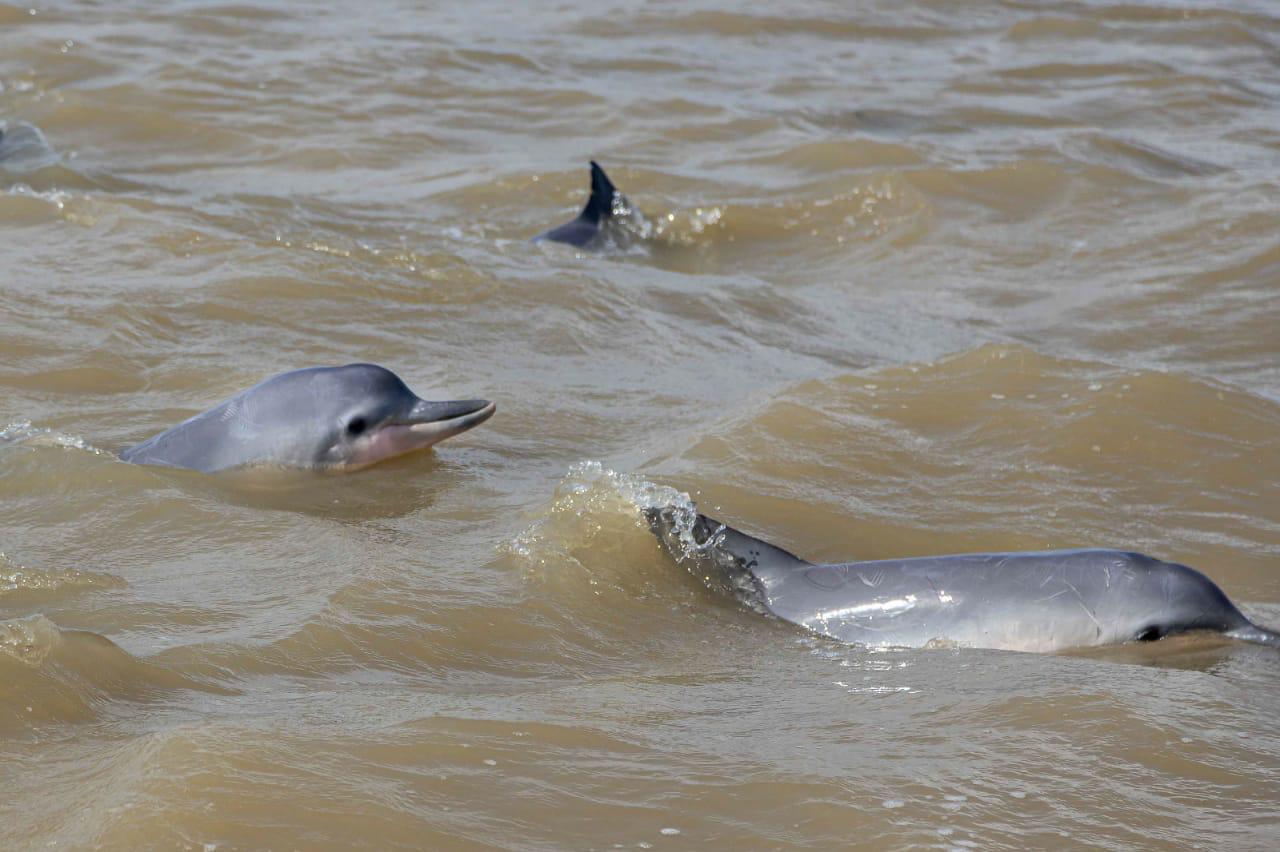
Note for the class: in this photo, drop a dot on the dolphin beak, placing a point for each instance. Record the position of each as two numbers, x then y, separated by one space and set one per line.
434 421
424 424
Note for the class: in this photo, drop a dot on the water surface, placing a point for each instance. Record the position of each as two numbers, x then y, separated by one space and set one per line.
921 278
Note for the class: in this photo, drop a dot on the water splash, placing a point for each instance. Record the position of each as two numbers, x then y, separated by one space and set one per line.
22 432
57 197
588 495
15 577
683 227
29 640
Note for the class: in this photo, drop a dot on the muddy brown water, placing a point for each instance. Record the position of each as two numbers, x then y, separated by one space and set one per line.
922 278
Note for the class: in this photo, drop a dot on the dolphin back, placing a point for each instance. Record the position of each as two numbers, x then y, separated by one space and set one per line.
1038 601
267 423
199 443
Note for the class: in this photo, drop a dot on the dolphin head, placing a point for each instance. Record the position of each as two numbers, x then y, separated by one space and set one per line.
364 414
327 418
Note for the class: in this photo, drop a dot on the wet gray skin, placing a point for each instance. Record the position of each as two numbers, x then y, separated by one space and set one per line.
322 418
24 148
1048 601
600 221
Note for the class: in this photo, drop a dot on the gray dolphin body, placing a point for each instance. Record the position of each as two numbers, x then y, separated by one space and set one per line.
23 148
1048 601
601 220
331 418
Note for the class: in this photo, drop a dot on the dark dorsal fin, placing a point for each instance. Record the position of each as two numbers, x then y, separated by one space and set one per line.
585 229
600 204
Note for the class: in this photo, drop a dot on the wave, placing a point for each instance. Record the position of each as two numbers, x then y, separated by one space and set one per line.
51 675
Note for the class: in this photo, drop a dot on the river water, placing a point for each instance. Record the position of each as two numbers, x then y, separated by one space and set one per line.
920 278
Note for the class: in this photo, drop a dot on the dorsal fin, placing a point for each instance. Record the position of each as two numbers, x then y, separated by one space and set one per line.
600 204
585 229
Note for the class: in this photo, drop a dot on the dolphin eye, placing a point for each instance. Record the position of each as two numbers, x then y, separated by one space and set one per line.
356 426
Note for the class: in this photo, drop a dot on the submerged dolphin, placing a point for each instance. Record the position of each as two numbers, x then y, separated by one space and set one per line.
334 418
592 227
24 148
1046 601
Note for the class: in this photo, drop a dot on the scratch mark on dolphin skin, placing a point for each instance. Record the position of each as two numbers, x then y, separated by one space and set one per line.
1085 607
1052 596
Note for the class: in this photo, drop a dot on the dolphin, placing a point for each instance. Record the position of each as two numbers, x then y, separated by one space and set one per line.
601 219
1040 601
318 418
24 148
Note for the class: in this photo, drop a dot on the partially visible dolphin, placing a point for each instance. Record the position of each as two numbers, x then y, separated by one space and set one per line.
24 148
604 215
1048 601
320 418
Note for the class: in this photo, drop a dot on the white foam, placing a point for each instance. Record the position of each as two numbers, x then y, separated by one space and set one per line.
22 432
